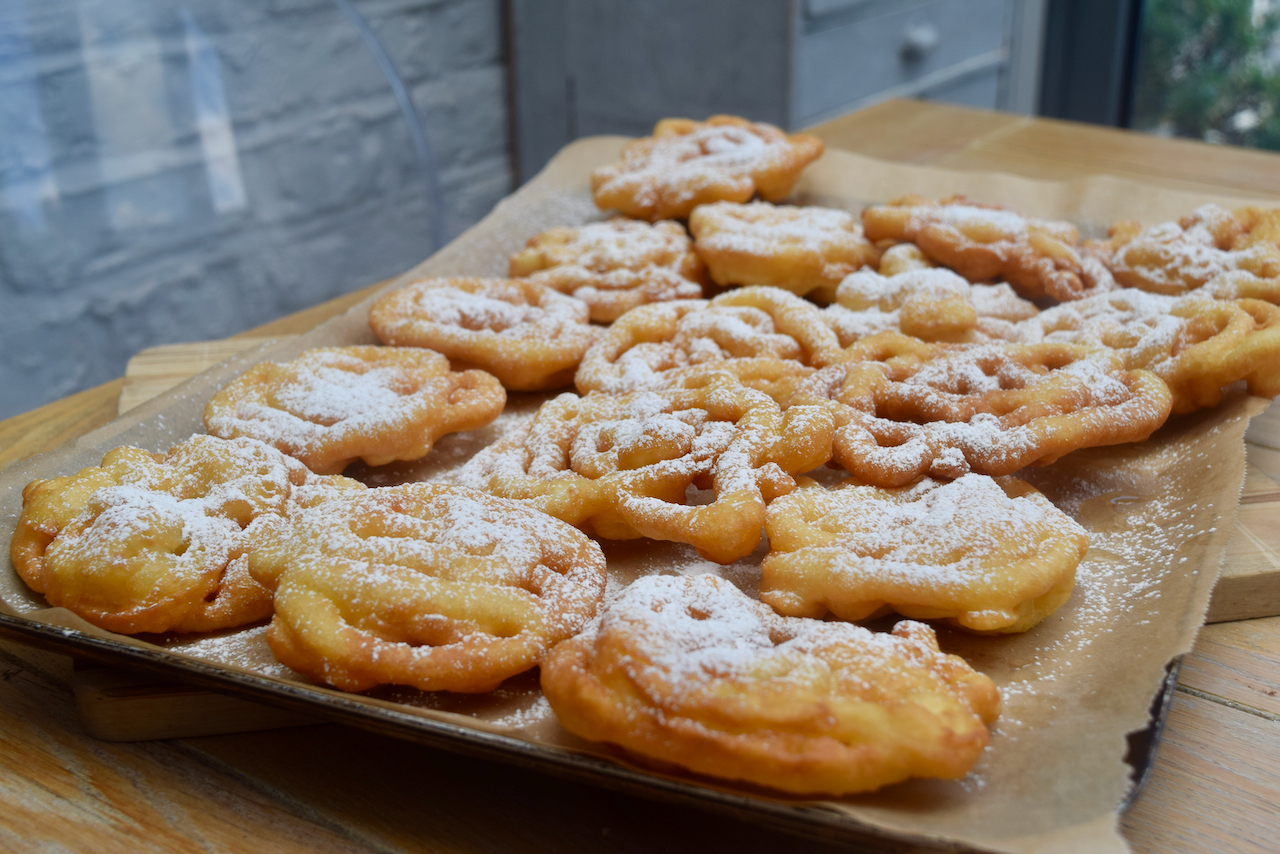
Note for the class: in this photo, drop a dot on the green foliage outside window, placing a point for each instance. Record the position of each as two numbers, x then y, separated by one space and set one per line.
1209 69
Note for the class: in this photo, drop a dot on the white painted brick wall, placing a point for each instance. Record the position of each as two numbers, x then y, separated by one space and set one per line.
127 247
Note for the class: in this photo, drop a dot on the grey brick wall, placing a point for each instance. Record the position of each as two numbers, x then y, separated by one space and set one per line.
170 176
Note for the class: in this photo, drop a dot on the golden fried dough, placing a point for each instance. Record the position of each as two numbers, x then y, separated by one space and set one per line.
986 242
929 303
528 335
621 466
806 250
902 257
1223 341
429 585
156 542
692 672
333 405
1244 284
687 163
1196 344
905 408
1177 257
614 266
1257 226
988 555
765 337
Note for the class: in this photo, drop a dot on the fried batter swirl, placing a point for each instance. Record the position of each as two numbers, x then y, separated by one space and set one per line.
905 408
614 266
333 405
621 466
686 163
429 585
986 555
157 542
528 335
692 672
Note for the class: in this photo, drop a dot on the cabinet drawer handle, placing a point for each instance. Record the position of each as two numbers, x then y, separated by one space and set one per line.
918 40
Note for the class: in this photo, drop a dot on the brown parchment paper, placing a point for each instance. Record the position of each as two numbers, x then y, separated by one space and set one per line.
1159 515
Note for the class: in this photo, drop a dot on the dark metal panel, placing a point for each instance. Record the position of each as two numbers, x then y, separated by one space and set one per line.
585 67
1089 54
541 114
637 62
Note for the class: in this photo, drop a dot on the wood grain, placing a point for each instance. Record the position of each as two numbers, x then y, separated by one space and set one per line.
155 370
1249 584
1219 775
901 132
475 805
53 424
64 791
955 137
1236 664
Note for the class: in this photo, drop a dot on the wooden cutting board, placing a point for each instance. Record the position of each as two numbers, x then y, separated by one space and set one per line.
118 705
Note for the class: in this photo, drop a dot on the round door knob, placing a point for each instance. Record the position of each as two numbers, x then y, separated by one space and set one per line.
918 40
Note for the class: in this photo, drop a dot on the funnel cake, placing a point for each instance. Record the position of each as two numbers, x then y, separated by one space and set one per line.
333 405
805 250
621 466
932 305
1244 284
427 585
691 672
985 242
901 258
688 163
997 306
989 556
929 303
1196 344
614 266
1177 257
765 337
528 335
904 408
156 542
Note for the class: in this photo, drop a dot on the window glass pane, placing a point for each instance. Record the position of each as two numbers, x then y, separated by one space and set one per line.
1210 69
177 170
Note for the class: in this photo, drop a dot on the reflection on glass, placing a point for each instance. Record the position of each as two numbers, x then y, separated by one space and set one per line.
26 169
1210 69
213 120
175 170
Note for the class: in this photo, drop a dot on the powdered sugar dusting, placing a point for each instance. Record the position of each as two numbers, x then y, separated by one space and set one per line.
618 244
1174 257
940 533
968 218
686 162
868 289
478 311
126 512
246 649
763 230
1136 322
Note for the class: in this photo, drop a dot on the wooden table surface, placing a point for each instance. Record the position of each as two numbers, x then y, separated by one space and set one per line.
1213 786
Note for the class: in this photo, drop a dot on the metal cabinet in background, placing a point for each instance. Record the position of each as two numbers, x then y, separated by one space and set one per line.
583 67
